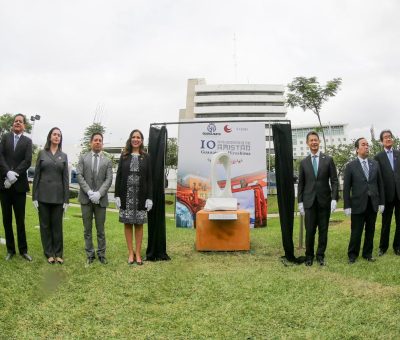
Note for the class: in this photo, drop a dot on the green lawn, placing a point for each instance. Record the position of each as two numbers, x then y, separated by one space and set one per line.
242 295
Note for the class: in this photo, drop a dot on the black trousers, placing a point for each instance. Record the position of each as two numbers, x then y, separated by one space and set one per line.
358 221
316 217
51 229
12 200
386 222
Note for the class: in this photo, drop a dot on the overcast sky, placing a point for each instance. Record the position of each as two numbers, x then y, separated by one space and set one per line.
129 61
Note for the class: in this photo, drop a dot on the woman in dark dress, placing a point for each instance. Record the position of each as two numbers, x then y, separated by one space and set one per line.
50 195
133 192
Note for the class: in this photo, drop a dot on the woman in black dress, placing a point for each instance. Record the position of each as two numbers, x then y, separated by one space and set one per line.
133 192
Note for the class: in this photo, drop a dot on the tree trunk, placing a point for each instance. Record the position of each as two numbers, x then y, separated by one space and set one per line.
322 129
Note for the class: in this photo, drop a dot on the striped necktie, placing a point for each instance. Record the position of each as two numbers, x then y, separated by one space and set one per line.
365 169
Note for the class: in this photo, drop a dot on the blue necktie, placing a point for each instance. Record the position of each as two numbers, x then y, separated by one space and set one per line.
365 169
314 165
390 156
16 139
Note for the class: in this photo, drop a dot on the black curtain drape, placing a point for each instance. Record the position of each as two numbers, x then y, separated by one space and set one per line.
282 136
157 238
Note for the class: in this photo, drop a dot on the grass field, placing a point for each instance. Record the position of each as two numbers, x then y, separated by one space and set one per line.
240 295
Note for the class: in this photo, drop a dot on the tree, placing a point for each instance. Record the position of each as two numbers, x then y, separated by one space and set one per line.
171 158
6 122
342 154
95 127
308 94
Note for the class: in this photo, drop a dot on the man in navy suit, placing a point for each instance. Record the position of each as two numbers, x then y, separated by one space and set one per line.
389 164
15 159
363 196
317 197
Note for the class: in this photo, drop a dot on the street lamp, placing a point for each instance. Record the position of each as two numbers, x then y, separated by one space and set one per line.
33 120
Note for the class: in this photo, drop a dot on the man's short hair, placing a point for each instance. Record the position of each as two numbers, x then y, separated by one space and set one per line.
383 132
312 133
96 134
357 142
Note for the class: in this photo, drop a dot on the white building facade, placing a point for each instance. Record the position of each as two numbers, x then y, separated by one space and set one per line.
335 135
234 102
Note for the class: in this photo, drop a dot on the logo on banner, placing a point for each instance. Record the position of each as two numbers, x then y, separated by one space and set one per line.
227 129
211 128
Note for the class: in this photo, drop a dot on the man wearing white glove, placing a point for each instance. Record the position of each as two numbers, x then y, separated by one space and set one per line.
363 194
15 160
317 197
389 163
94 173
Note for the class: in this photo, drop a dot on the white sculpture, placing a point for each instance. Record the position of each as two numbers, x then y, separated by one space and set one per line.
221 199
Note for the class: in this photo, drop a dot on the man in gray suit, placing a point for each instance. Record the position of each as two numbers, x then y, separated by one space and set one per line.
94 173
317 197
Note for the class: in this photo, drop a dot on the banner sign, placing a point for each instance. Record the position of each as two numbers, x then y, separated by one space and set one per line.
245 143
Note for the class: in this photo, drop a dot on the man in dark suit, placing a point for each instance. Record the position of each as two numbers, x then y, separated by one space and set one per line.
389 164
317 197
15 159
363 196
94 173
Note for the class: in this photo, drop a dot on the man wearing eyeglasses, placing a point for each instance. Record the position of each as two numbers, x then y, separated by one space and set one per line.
388 160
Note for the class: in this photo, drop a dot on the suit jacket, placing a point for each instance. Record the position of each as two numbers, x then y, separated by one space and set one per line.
356 187
391 178
324 187
102 181
145 182
51 180
18 160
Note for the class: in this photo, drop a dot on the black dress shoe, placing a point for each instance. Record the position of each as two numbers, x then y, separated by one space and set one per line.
9 256
321 261
352 260
90 260
27 257
103 260
309 262
397 252
370 259
381 252
139 263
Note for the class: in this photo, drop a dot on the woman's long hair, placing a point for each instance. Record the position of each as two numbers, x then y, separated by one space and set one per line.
48 141
128 146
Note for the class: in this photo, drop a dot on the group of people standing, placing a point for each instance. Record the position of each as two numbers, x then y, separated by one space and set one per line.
50 192
370 186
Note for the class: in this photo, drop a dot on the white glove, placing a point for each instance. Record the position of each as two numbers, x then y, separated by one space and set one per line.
12 176
65 207
301 209
148 205
381 209
90 193
118 202
7 184
347 211
36 204
333 205
95 198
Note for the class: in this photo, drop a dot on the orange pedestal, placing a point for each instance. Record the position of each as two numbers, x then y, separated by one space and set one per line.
222 235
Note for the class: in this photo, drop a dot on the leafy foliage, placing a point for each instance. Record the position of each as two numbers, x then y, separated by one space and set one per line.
341 154
308 94
171 158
